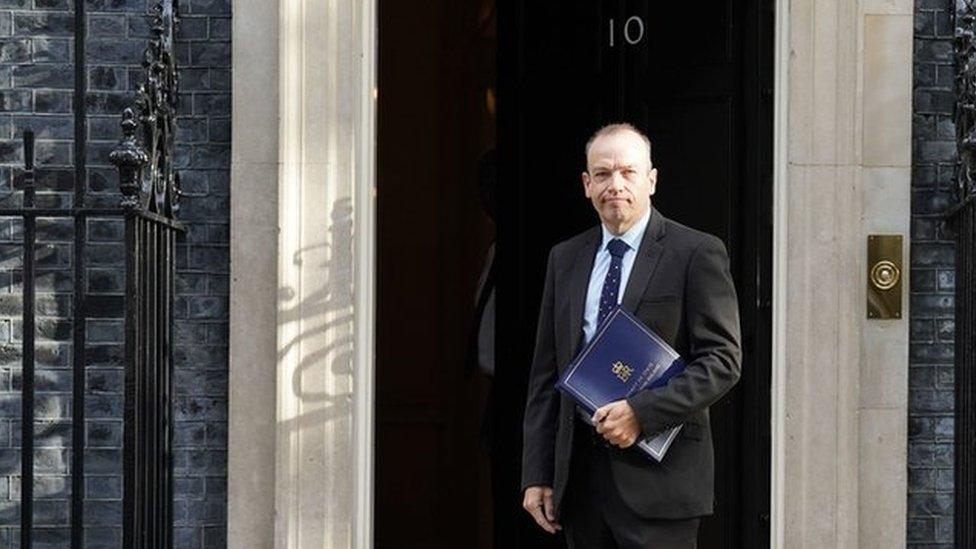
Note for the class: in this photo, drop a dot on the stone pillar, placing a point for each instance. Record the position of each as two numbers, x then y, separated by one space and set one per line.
300 449
840 386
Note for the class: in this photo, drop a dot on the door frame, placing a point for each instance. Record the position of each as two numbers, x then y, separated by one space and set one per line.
255 92
777 469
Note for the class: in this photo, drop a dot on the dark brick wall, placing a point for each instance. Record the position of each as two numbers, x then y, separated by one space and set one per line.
930 379
36 82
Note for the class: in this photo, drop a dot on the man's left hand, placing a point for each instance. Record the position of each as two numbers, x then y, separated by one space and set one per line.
617 423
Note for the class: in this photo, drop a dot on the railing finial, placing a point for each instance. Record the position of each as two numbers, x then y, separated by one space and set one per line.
150 179
130 160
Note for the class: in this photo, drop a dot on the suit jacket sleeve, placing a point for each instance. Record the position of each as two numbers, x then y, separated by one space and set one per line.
542 401
713 363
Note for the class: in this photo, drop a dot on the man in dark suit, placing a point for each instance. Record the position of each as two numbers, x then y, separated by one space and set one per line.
676 280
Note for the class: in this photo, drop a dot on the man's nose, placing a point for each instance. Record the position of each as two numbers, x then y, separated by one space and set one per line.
617 180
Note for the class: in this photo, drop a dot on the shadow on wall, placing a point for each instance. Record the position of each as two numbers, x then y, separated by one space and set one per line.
326 312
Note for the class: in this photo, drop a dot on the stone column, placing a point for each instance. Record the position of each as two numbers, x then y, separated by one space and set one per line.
253 291
841 380
300 450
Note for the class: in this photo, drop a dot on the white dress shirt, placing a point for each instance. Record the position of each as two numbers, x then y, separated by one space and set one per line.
601 264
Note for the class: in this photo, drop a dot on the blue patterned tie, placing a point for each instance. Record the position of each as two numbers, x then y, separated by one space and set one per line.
608 298
611 284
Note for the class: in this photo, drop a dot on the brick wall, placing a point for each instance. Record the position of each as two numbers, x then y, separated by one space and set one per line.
931 395
36 83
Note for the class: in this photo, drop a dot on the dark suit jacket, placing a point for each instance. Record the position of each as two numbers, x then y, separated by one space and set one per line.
681 288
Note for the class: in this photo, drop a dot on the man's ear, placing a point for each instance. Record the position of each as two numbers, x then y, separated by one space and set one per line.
585 177
652 176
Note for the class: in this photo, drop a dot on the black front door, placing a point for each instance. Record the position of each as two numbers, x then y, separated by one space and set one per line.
697 79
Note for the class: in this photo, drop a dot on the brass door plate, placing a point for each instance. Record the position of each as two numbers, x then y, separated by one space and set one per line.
884 276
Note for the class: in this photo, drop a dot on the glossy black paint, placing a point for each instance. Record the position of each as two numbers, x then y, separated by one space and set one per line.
699 82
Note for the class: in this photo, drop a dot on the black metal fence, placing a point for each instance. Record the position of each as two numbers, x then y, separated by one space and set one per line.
963 221
961 217
148 206
150 243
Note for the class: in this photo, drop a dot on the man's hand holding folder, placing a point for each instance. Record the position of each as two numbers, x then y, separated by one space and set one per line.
617 423
623 358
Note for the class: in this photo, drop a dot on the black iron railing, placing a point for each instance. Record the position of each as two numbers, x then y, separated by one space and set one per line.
961 217
148 206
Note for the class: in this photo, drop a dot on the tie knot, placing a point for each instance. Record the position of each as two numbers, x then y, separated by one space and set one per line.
617 247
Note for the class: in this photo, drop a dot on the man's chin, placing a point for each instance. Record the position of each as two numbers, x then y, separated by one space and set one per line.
615 216
615 222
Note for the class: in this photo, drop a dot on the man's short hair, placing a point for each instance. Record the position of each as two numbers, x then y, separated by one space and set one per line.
618 127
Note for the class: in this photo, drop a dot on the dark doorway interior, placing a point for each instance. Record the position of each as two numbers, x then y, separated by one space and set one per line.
698 81
435 122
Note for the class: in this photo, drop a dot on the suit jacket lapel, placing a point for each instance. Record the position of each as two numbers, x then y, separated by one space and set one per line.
579 281
645 263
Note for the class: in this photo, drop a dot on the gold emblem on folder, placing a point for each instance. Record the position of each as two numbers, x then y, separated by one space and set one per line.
621 370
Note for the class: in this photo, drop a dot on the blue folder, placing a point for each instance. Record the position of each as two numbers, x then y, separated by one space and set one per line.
622 358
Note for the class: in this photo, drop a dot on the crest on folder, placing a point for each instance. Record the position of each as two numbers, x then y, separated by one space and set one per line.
622 371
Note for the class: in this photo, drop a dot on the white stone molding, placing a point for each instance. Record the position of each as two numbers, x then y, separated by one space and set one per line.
253 278
302 257
781 82
839 380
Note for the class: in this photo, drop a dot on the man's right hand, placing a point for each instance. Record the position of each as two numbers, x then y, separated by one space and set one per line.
538 503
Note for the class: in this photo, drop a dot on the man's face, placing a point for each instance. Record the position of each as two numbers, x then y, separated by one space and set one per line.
619 179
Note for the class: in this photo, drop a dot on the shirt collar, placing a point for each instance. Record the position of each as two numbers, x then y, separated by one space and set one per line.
633 235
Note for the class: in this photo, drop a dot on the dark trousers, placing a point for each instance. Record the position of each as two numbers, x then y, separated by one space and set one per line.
594 516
